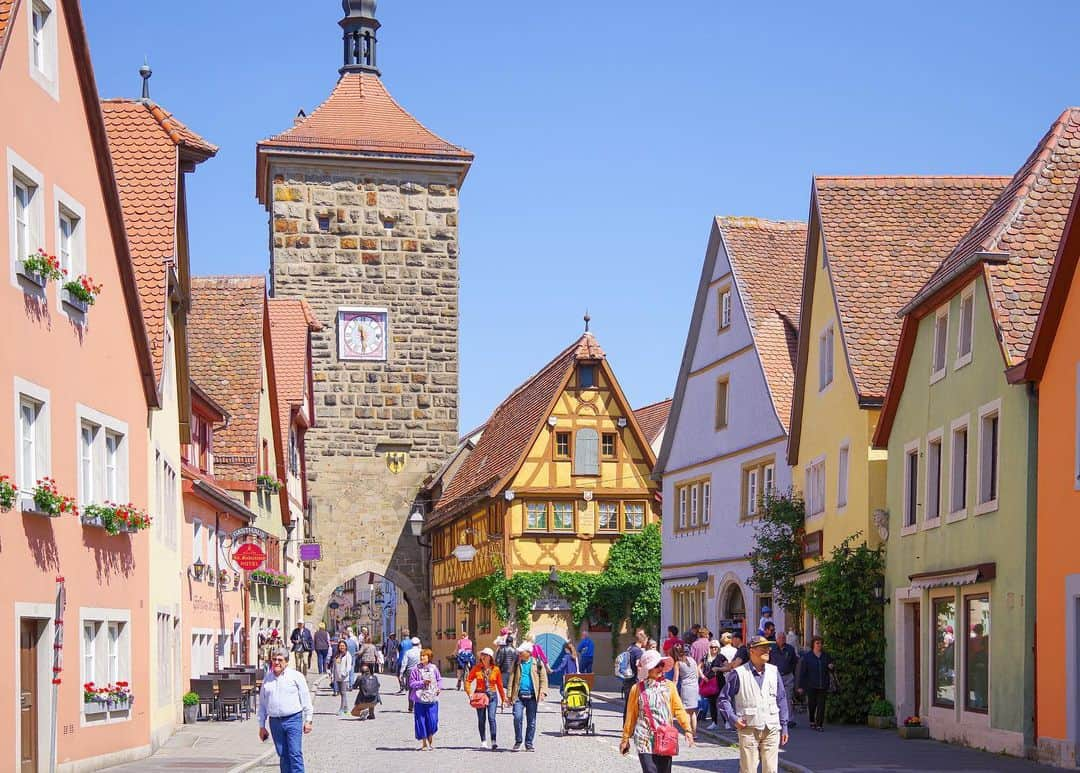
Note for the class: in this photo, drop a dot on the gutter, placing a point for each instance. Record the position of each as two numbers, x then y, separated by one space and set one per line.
212 493
971 260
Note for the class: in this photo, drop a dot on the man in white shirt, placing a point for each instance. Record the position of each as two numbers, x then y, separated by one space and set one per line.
286 701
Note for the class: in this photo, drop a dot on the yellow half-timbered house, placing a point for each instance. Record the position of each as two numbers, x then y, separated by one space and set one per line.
559 471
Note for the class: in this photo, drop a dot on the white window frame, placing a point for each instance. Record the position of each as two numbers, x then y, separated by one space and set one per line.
47 74
843 474
939 345
706 502
990 505
963 359
753 491
70 208
815 489
21 171
42 435
94 491
683 505
725 308
102 621
89 485
958 514
695 500
768 479
826 357
913 448
937 437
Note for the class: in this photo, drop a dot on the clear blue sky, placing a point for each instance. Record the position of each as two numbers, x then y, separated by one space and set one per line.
607 134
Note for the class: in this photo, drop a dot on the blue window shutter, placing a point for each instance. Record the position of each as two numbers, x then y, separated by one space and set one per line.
587 452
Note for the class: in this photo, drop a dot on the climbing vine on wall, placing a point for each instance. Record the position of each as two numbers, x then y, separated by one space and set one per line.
628 588
777 554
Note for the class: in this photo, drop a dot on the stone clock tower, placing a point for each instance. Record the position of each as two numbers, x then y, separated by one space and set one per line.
363 203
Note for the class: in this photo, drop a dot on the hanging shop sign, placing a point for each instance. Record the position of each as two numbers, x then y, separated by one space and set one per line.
310 551
249 556
249 531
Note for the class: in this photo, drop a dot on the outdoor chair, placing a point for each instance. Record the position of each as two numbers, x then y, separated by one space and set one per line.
231 695
204 688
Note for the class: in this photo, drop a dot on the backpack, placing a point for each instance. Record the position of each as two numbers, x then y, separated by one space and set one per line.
622 666
369 687
466 659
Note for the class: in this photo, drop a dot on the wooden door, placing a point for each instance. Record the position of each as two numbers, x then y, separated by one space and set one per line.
916 645
29 694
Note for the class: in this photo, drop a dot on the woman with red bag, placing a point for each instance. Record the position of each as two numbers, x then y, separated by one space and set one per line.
485 690
712 675
651 706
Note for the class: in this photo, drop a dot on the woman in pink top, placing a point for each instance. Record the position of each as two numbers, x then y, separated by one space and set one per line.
463 661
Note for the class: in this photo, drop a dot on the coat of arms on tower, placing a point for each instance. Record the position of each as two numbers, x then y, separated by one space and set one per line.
395 461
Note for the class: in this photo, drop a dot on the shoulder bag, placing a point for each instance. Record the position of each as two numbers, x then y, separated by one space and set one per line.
665 737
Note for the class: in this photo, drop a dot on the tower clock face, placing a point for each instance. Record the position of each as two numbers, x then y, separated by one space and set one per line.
362 334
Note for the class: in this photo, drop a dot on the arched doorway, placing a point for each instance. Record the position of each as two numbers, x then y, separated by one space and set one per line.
403 585
733 609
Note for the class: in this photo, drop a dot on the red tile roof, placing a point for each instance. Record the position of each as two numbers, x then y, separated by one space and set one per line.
1025 222
360 115
884 236
7 13
766 258
512 426
225 344
653 418
144 141
291 322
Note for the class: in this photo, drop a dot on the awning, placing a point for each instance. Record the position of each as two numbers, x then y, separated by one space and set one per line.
807 576
685 581
951 578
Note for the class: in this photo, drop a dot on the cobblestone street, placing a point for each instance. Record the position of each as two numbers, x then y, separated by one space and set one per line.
343 743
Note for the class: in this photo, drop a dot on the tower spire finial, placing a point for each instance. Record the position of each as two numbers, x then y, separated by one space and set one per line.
145 72
588 319
360 26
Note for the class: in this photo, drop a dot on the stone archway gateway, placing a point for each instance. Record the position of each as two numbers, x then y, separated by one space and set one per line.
327 582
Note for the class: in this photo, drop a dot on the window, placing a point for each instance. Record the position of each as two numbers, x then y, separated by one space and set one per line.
706 502
324 222
825 358
815 487
635 516
722 403
977 653
586 376
965 334
562 445
941 344
688 606
725 308
752 492
842 477
586 452
684 495
758 477
911 484
164 635
944 653
87 434
607 445
933 478
537 515
694 499
23 240
103 473
67 226
609 516
106 658
89 653
33 442
196 541
959 463
294 452
112 467
989 451
113 653
39 16
564 516
264 458
693 506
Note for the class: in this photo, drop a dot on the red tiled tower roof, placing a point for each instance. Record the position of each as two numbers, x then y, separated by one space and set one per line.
225 344
147 145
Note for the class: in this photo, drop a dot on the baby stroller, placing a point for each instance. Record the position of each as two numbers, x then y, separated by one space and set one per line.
577 707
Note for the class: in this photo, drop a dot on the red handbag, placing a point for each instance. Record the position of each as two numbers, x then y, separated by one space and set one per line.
710 688
665 737
479 700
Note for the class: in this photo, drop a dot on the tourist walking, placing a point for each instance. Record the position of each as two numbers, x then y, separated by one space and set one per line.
528 688
786 659
322 647
753 700
285 703
369 655
409 661
727 649
484 686
812 679
390 654
687 676
586 651
671 640
302 645
653 703
367 694
464 659
568 662
627 665
425 684
341 674
712 677
403 647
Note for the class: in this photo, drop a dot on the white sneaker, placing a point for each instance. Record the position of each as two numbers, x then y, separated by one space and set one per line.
485 745
713 726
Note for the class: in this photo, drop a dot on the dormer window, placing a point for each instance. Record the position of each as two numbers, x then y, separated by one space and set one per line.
586 376
39 17
42 45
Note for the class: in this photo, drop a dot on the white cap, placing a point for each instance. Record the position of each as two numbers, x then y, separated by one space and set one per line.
415 640
487 651
525 646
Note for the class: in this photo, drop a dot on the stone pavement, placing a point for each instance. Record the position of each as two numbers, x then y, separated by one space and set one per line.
220 747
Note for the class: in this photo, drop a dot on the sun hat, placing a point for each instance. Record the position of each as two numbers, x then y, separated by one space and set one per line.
766 611
525 646
714 643
650 660
500 641
759 641
488 651
415 640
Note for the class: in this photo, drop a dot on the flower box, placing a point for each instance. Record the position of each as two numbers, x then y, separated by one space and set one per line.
69 300
880 723
29 508
33 277
912 732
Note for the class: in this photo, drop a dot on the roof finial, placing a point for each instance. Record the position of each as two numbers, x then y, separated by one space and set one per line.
360 26
146 72
588 319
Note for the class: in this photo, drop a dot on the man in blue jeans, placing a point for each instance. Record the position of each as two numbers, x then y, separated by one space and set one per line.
285 701
528 688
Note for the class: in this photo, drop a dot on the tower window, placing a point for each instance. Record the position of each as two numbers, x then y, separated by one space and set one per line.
586 376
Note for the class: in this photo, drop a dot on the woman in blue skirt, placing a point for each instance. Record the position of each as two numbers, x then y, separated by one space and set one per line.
425 684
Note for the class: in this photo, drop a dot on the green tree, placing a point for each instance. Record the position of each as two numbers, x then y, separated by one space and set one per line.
843 600
777 554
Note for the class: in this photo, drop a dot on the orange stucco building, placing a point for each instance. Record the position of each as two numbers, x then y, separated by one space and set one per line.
77 386
1053 366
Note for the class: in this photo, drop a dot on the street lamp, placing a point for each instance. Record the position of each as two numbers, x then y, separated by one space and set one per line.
879 591
198 569
416 526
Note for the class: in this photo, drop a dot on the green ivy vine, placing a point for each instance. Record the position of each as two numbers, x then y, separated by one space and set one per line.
777 553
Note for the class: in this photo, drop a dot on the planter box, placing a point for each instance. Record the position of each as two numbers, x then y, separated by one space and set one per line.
909 733
72 302
191 714
880 723
92 520
95 707
33 278
30 508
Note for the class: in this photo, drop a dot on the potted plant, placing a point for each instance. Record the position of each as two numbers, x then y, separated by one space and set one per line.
48 500
40 267
102 516
9 494
268 483
881 714
80 293
191 708
913 728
